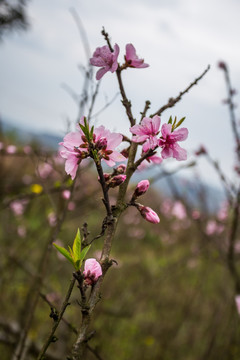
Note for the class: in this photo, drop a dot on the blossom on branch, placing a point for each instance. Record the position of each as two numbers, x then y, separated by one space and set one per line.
141 188
104 58
131 58
148 214
92 271
168 142
77 147
147 132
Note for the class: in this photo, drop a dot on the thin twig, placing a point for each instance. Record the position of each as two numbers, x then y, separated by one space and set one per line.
57 322
173 101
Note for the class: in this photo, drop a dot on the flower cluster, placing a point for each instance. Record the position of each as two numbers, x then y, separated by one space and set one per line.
101 143
106 59
147 134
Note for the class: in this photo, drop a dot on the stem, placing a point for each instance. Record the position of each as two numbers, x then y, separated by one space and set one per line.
104 188
232 237
56 323
173 101
231 110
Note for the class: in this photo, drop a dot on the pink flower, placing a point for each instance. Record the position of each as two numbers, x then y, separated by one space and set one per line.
141 188
169 140
104 58
148 214
92 271
132 59
147 131
77 148
72 153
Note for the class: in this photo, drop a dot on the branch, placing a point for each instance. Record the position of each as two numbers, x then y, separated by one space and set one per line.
173 101
57 322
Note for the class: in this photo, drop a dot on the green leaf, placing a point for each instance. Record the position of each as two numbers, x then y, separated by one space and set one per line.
71 252
77 246
64 252
78 264
180 122
84 253
170 120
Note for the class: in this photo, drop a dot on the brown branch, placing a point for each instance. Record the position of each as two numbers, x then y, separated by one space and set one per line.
231 246
57 322
173 101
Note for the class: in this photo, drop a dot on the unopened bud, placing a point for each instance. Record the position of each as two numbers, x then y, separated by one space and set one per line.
141 188
101 143
148 214
117 180
121 169
92 271
107 177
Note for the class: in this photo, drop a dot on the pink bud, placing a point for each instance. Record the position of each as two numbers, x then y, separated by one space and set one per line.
141 188
117 180
121 169
92 271
148 214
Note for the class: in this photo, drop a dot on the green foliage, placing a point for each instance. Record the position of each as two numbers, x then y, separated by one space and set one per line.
75 255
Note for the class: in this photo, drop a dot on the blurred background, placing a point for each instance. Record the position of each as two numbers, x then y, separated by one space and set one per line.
171 293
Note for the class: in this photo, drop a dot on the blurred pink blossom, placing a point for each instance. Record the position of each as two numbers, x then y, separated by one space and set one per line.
71 206
11 149
27 149
179 210
18 207
169 140
66 194
213 227
237 302
196 214
44 170
132 59
92 271
52 219
104 58
21 230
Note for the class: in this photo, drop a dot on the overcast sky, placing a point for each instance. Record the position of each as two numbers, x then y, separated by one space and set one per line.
177 38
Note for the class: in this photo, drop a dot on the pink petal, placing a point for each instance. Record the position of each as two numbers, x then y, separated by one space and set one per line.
166 130
101 72
179 153
167 152
180 134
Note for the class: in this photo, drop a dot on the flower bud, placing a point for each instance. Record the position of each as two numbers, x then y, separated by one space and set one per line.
92 271
117 180
148 214
107 177
141 188
101 143
121 169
